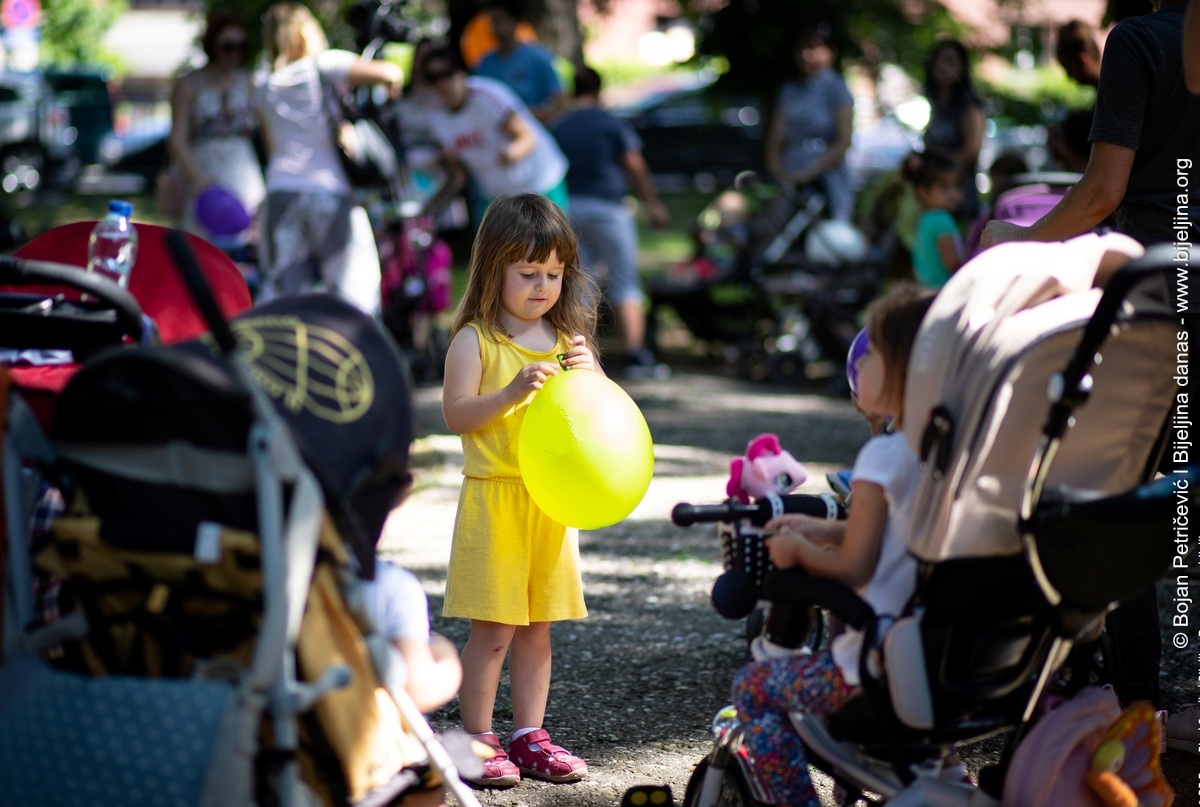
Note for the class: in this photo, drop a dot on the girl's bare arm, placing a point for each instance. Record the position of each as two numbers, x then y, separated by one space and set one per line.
854 562
463 408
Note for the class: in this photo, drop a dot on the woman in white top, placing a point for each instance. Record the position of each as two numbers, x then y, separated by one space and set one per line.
212 121
314 237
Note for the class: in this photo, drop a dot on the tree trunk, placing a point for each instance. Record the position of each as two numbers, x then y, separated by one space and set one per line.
559 29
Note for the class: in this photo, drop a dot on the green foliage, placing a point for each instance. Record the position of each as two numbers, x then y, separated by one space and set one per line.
755 37
72 29
1042 95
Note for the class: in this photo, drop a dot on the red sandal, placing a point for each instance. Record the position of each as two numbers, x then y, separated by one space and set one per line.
535 755
499 771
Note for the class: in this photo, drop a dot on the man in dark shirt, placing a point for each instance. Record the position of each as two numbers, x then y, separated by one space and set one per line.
1145 141
605 158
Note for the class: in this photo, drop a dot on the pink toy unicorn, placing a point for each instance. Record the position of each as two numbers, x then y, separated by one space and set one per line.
766 468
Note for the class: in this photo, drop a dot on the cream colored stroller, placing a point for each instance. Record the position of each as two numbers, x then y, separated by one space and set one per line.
1039 388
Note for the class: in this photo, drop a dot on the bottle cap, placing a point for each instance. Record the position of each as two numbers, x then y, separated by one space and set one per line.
120 207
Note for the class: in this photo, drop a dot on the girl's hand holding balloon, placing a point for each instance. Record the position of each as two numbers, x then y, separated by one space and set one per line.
531 377
579 356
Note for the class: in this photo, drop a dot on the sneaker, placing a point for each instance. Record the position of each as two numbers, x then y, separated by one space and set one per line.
535 755
1183 730
499 771
642 364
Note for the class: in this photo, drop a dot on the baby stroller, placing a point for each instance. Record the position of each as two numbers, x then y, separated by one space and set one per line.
417 289
774 282
221 499
1025 537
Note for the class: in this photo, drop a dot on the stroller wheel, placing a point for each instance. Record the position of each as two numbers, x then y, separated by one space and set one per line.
734 792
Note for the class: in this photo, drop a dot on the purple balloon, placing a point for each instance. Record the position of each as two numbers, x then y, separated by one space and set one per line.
220 212
857 348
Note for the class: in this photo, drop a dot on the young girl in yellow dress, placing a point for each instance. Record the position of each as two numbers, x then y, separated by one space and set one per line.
513 570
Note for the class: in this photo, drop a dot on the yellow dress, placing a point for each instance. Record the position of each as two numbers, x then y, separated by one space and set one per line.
509 561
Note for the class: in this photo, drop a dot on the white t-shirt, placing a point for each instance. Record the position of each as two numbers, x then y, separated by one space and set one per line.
293 106
885 461
397 603
475 136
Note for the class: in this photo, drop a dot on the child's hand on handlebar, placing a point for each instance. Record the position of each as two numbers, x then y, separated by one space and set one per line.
819 531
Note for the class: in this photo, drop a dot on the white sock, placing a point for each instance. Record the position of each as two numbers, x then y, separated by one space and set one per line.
521 732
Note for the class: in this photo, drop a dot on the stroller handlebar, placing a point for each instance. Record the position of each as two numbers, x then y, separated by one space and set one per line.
16 271
202 295
760 511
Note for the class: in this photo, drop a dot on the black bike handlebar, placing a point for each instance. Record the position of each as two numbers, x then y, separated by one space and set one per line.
760 511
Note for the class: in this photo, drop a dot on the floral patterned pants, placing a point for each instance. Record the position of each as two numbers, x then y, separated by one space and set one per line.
764 692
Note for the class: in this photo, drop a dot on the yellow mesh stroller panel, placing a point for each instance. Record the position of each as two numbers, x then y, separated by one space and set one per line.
360 722
127 592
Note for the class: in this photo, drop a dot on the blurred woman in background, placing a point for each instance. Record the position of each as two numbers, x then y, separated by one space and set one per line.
956 117
213 120
812 124
314 237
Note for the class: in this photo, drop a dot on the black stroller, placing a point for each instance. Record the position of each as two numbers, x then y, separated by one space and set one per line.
775 284
220 501
1025 537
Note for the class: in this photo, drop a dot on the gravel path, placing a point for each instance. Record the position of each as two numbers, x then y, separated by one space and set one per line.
637 683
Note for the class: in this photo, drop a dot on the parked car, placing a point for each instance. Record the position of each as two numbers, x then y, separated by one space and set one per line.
36 140
692 130
85 93
140 149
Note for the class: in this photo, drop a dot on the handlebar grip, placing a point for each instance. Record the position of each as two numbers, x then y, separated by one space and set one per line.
760 511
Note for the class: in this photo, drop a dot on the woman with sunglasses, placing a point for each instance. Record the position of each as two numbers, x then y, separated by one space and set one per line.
213 120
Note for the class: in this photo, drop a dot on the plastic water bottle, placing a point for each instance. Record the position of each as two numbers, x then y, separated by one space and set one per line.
112 247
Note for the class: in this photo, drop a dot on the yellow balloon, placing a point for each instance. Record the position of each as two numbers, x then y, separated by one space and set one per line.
585 450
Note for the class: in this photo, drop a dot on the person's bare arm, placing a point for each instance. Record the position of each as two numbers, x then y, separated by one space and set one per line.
183 95
1089 202
434 672
456 180
1191 48
463 407
853 563
376 71
551 108
521 139
820 531
950 251
972 124
643 185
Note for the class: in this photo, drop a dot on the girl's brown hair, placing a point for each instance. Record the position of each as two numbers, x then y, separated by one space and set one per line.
527 226
892 323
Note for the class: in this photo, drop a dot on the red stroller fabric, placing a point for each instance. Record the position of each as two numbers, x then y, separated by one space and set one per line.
155 283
